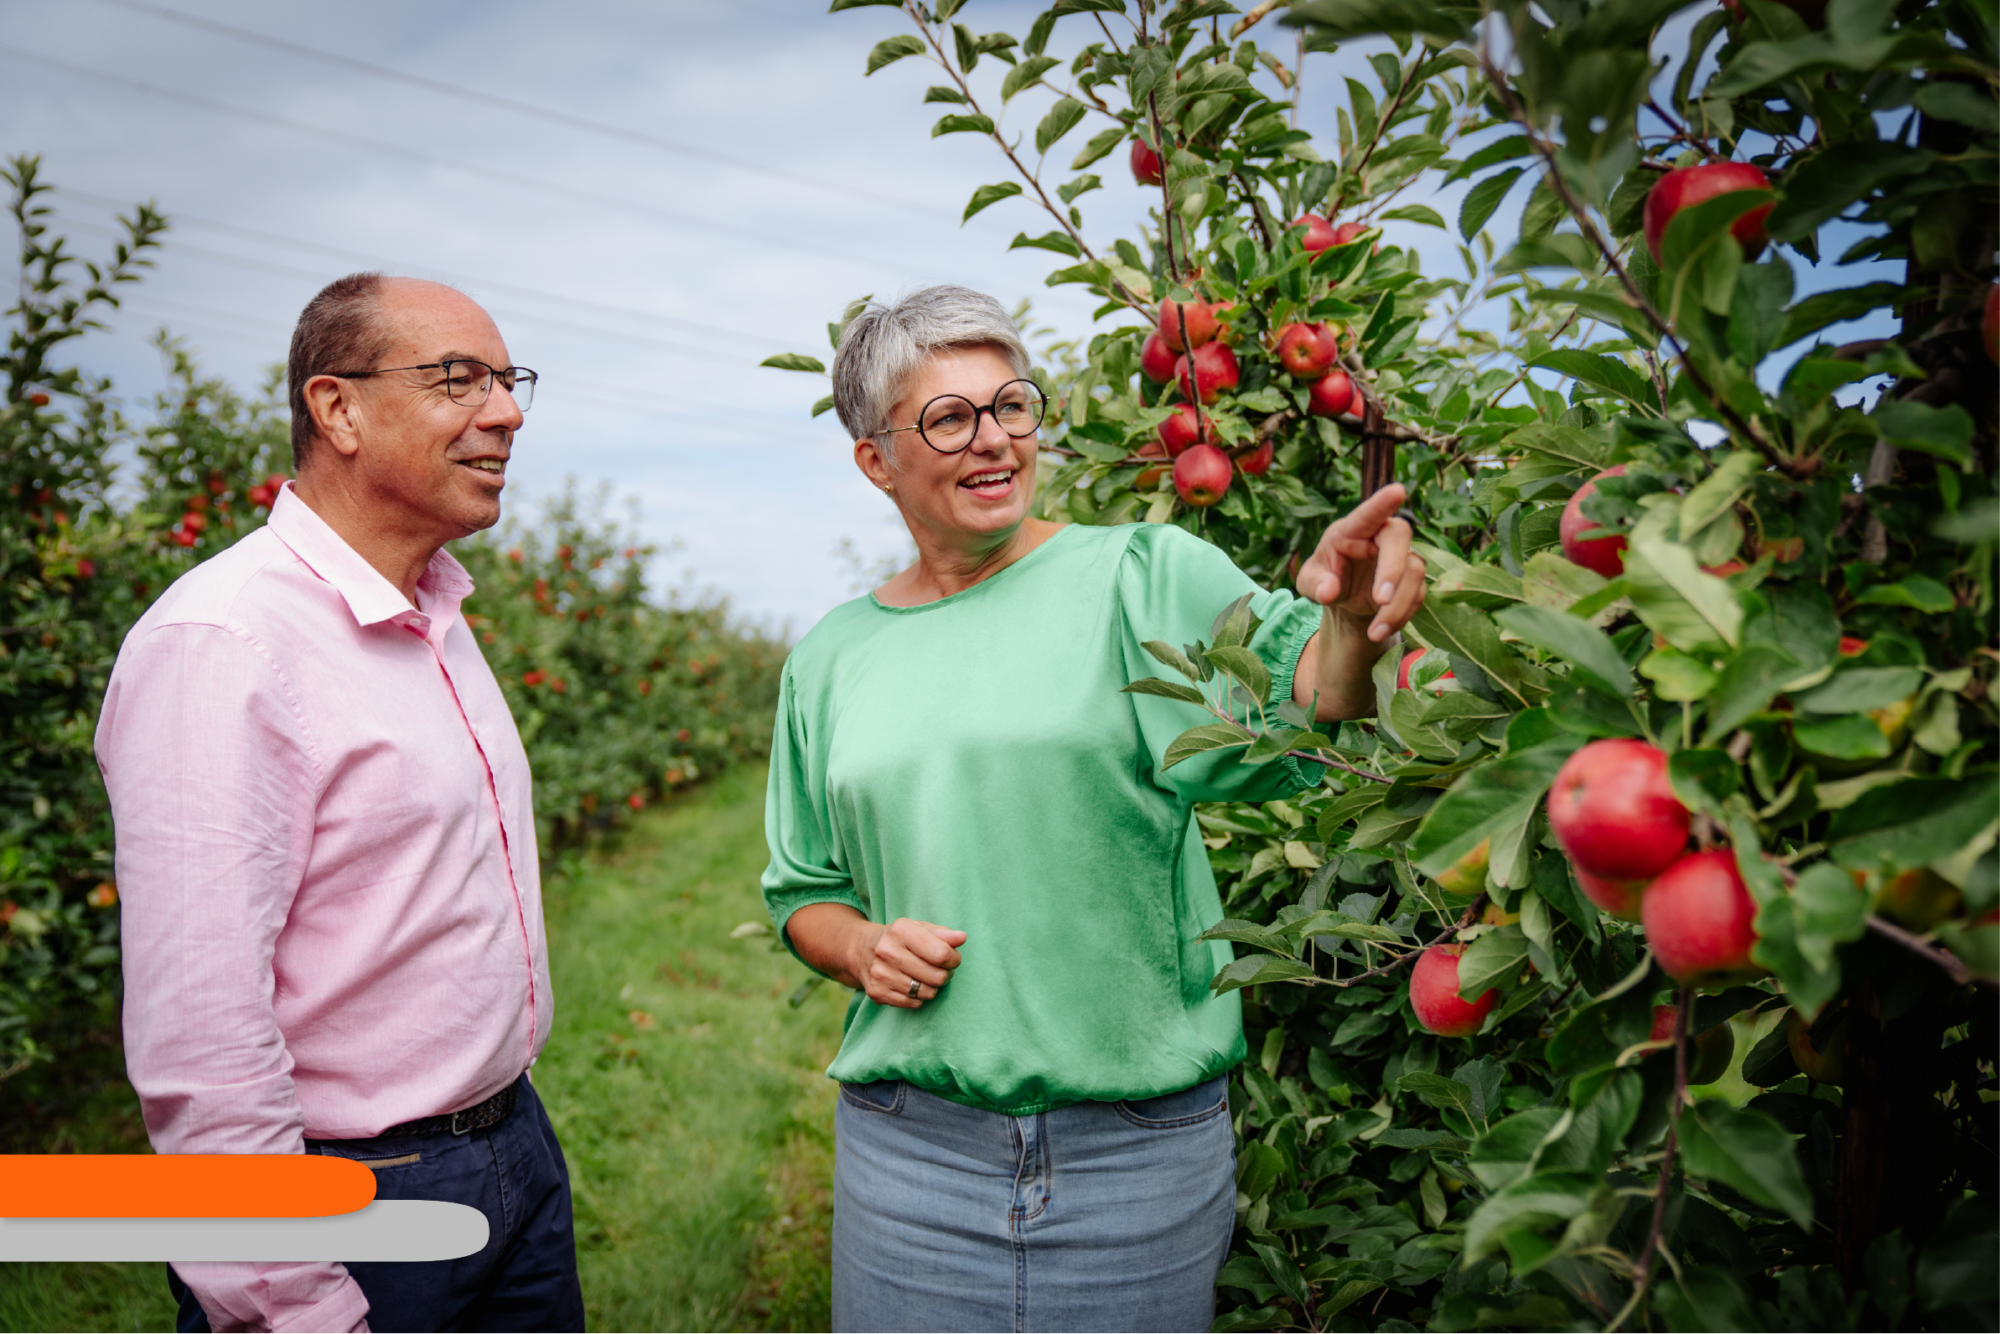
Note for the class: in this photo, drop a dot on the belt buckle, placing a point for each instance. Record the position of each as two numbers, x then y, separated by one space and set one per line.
464 1117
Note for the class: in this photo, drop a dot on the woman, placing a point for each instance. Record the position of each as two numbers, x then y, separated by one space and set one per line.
971 827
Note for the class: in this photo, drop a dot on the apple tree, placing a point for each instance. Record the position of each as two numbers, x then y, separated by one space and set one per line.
1636 963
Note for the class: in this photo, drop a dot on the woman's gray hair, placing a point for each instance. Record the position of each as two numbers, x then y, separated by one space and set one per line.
884 346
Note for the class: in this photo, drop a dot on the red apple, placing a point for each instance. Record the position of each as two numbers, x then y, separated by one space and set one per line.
1827 1065
1186 427
1319 232
1989 324
1308 350
1345 233
1850 647
1724 570
1145 164
1919 899
1409 661
1614 812
1224 331
41 400
1149 478
1331 395
1605 555
1214 371
1619 898
1200 318
1201 475
1258 461
1684 187
1434 995
1700 921
1156 359
1709 1052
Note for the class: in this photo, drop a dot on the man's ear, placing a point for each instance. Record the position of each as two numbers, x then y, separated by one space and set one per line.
333 405
874 464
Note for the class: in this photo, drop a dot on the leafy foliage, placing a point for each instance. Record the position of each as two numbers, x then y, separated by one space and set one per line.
1803 620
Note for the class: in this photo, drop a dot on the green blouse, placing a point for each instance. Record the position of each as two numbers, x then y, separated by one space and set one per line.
971 762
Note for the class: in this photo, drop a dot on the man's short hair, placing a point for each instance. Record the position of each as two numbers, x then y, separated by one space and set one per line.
339 330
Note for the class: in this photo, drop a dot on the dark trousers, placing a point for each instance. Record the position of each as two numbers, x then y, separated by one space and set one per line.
513 1173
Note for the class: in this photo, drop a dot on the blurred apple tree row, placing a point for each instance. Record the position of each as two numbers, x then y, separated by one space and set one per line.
621 694
1791 602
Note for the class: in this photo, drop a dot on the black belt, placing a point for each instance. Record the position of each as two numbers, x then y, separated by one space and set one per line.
489 1113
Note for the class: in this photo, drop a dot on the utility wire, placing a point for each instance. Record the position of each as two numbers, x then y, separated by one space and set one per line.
484 172
544 321
179 218
529 109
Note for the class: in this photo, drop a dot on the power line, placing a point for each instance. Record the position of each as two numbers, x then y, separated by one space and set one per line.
179 218
529 109
544 321
485 172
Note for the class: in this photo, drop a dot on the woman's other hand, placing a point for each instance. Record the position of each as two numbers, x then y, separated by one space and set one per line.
881 960
1364 569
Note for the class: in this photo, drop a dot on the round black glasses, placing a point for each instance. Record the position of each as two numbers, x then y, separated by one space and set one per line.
949 423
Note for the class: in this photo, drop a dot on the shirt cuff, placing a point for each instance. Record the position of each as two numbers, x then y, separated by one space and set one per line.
807 899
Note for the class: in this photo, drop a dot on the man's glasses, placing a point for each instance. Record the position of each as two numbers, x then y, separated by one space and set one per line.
949 423
466 381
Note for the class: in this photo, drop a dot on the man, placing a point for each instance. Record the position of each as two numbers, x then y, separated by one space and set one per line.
326 844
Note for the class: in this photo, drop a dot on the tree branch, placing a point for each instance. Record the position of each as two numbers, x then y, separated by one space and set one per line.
1644 1267
1917 945
1465 919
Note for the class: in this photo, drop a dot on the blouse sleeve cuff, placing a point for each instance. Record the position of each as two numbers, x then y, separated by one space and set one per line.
1303 773
782 913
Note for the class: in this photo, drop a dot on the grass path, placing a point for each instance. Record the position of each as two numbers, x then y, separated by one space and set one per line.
688 1095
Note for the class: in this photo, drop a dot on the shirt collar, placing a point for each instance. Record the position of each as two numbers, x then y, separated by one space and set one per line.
370 597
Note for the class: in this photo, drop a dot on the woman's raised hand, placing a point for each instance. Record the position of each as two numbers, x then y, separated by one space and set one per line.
1364 567
890 958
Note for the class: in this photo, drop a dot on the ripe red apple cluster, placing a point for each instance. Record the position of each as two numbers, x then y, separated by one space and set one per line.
1614 812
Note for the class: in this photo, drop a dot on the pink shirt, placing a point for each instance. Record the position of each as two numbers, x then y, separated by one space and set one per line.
332 917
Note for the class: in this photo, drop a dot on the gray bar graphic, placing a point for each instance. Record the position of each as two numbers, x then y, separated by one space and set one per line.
385 1230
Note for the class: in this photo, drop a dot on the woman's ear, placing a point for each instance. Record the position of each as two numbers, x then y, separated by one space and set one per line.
874 464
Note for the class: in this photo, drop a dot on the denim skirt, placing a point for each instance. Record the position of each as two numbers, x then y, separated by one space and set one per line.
1094 1216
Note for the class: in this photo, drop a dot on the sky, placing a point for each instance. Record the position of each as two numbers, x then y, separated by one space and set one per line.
649 198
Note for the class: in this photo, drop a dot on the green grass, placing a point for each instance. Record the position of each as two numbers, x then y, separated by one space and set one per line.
688 1095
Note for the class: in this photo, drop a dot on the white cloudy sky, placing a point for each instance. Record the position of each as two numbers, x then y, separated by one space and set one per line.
762 183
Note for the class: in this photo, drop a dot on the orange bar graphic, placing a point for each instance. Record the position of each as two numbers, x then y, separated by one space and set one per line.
181 1185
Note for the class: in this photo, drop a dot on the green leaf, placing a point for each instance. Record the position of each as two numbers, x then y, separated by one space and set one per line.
1486 799
1026 73
1169 656
1588 450
1062 118
892 49
1750 1153
1416 213
1915 590
1438 1091
1908 424
962 125
1859 689
1977 523
1470 633
1257 970
1153 685
1099 146
987 195
1207 737
1841 738
1493 960
1717 492
1606 373
1820 188
1700 259
1245 667
794 361
1584 646
1059 242
1704 779
939 93
1512 1217
839 5
1693 610
1747 685
823 405
1676 676
1482 199
1284 1271
1913 823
